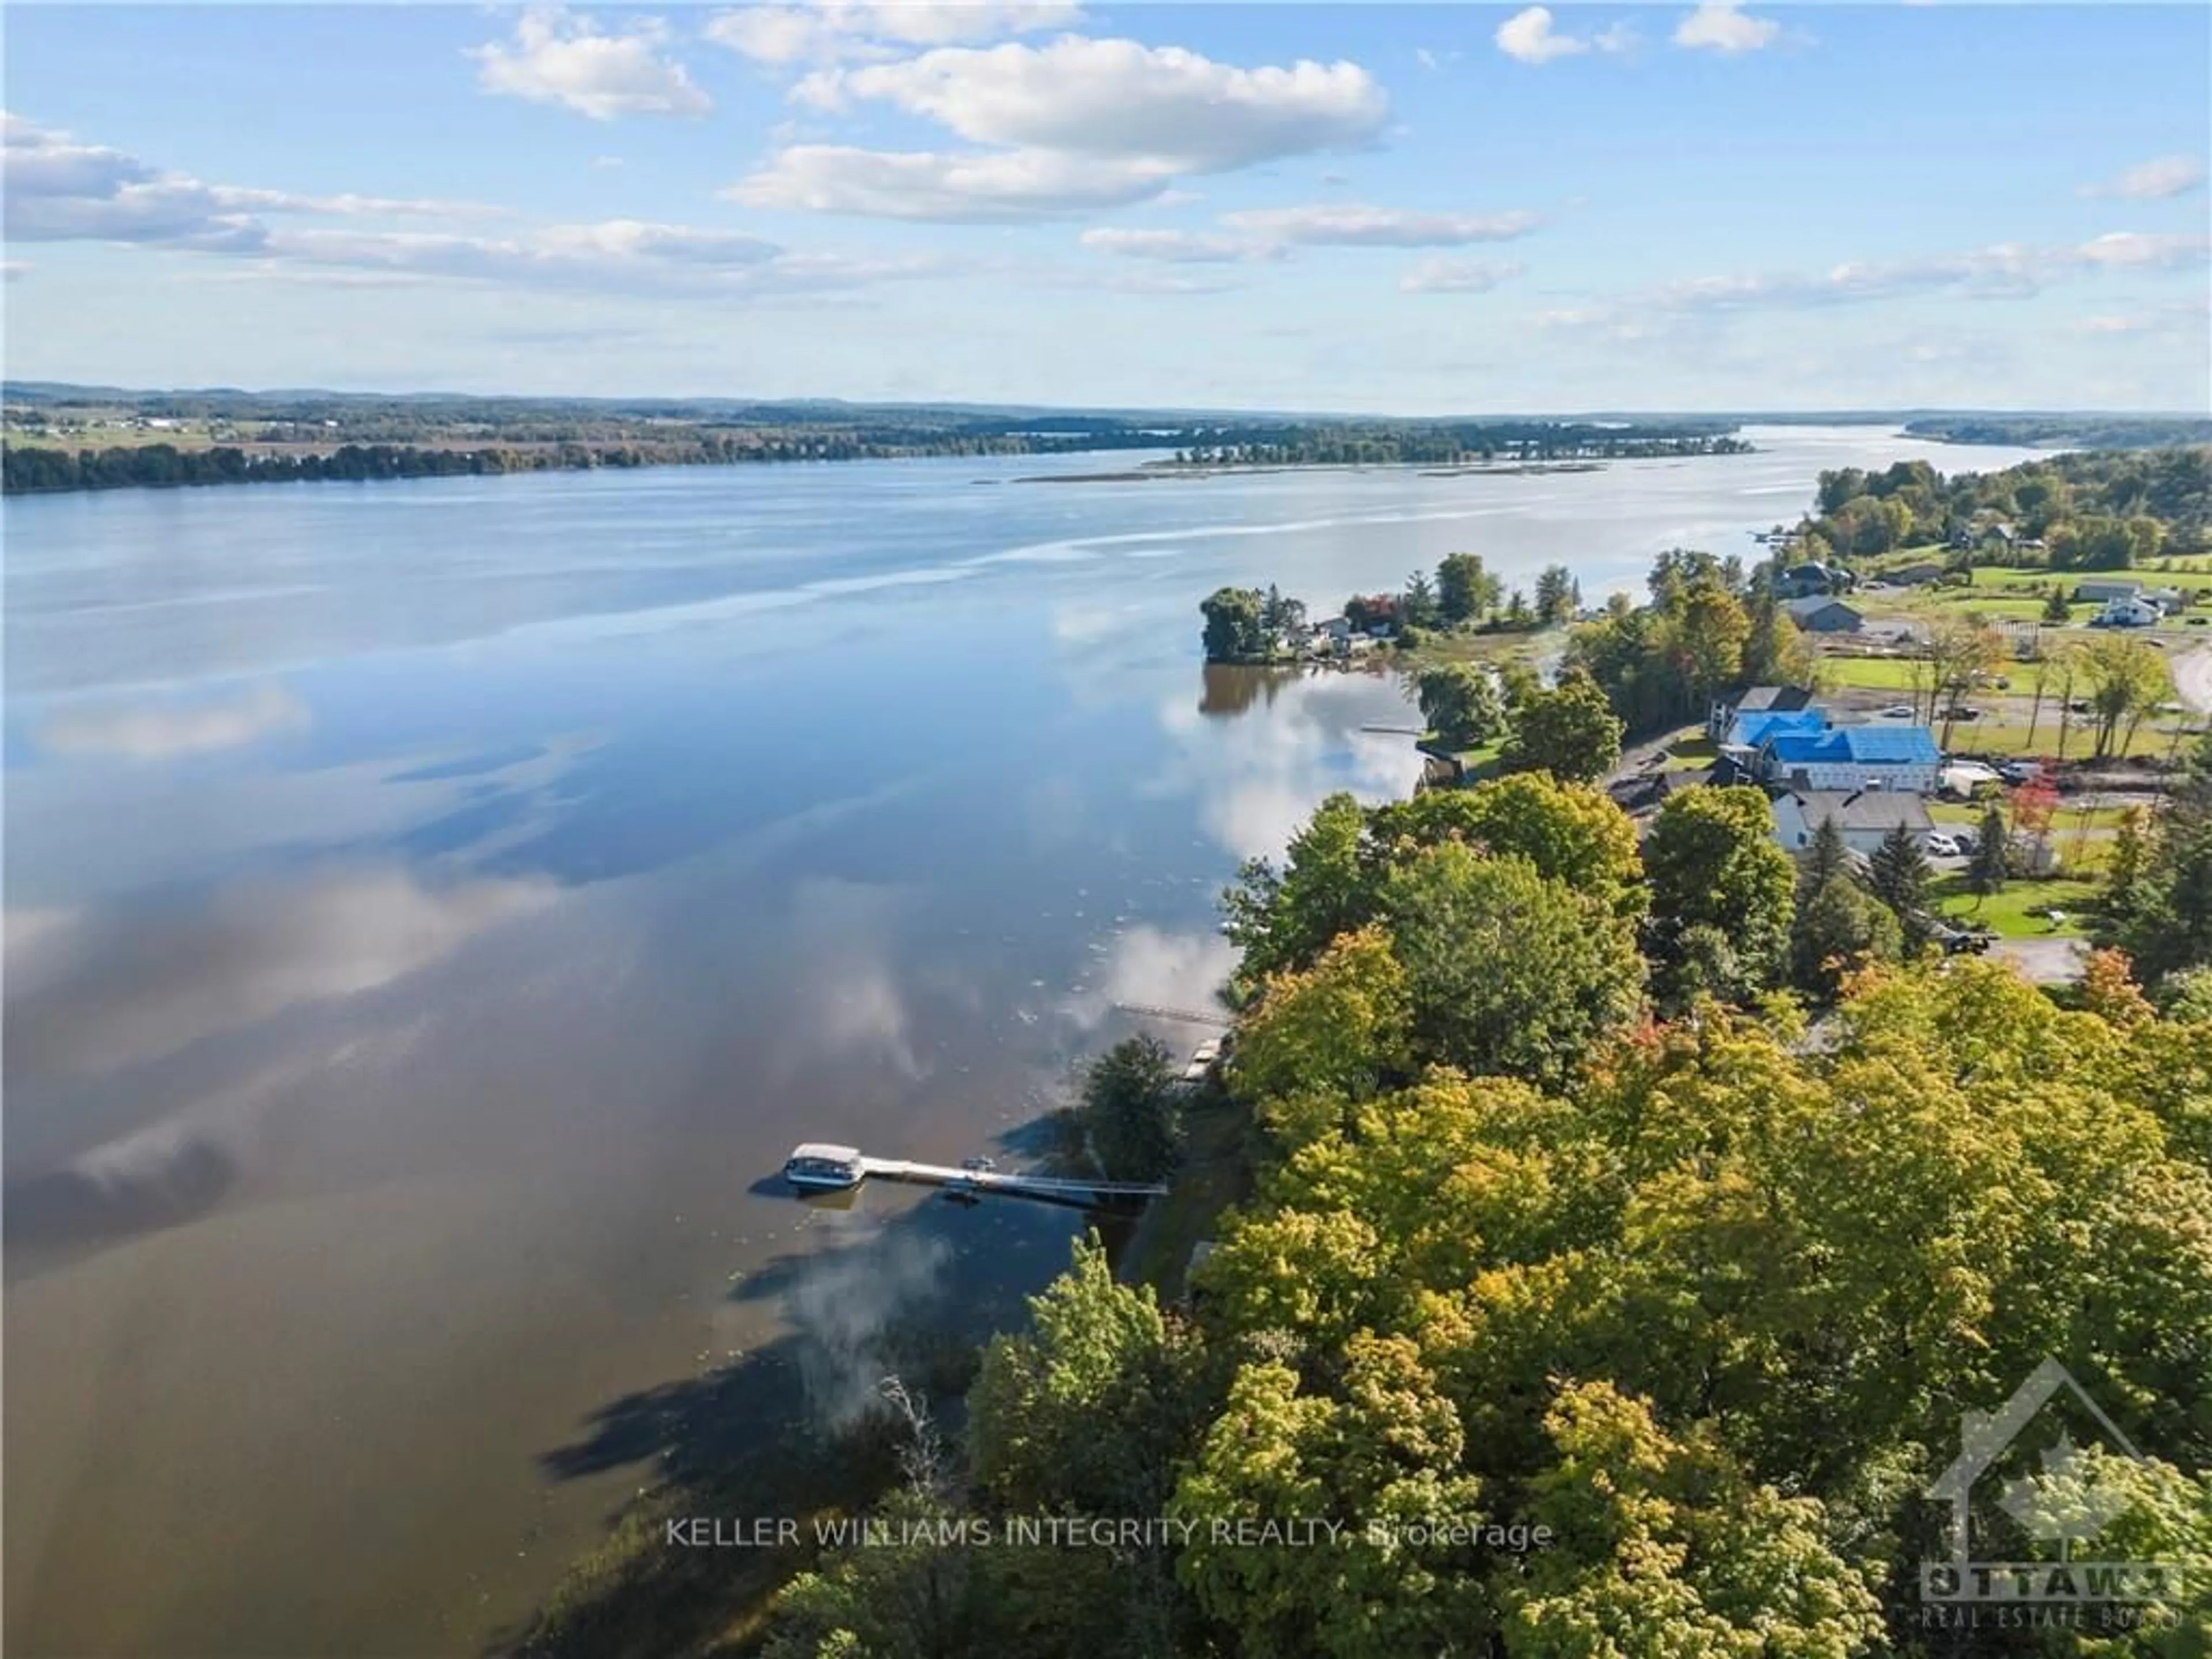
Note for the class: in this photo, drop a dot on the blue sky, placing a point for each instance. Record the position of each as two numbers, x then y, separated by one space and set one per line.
1429 209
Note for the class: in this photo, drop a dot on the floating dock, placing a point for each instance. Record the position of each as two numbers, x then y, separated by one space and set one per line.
1052 1189
820 1167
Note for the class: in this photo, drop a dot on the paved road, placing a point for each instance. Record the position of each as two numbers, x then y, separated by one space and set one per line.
2053 961
2192 677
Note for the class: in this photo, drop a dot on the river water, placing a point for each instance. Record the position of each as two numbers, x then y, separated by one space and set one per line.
433 909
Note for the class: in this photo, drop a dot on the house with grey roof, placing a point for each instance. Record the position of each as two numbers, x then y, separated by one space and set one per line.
1865 816
1823 613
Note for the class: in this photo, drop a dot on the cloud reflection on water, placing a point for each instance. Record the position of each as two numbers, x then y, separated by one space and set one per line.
1256 783
120 989
169 728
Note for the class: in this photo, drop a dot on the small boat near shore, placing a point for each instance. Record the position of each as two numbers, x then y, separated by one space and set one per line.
819 1166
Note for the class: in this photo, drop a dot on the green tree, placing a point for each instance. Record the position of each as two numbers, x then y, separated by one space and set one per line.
2126 678
1571 832
1709 634
1460 702
1839 929
1283 918
1086 1411
1569 732
1674 1549
1466 591
1418 604
1509 973
1711 862
2055 612
1558 596
1899 874
1827 856
1234 630
1992 860
2163 917
1327 1037
1383 1446
1127 1110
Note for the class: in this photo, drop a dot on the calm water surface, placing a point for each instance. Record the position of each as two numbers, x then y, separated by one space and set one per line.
433 909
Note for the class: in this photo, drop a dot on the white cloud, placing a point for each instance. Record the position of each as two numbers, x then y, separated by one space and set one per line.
1074 125
2003 271
2153 181
1352 224
1457 276
1173 247
847 29
12 270
1528 36
977 187
1168 282
59 190
1122 100
2175 318
1721 26
557 57
1532 36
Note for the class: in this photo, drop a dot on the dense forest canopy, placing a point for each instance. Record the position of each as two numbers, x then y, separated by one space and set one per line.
1671 1301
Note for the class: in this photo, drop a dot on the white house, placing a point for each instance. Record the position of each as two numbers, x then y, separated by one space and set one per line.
2129 613
1864 816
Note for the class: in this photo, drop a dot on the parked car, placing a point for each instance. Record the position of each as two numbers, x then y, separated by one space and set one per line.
2020 771
1900 711
1943 846
1962 714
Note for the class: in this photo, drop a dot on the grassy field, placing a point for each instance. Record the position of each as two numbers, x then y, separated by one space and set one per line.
1691 751
2006 740
1438 646
2014 910
1867 673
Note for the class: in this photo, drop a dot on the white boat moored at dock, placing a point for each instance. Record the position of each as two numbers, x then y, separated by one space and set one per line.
820 1165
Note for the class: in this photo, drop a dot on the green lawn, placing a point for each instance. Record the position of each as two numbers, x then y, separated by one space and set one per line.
1692 751
2014 910
1867 673
2005 740
2193 574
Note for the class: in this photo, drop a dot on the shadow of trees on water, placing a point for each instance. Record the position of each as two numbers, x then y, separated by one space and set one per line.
792 1429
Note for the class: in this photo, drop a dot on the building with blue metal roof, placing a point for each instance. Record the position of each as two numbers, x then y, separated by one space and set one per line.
1848 757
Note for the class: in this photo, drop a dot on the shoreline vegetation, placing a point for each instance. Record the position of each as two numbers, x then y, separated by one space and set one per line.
57 438
1153 470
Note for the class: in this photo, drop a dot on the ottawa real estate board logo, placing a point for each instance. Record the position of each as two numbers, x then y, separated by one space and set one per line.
2028 1503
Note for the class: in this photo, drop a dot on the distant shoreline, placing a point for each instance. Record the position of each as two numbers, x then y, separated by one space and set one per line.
1426 470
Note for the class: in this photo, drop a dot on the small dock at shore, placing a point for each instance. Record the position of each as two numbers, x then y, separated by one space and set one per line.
1060 1187
820 1167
